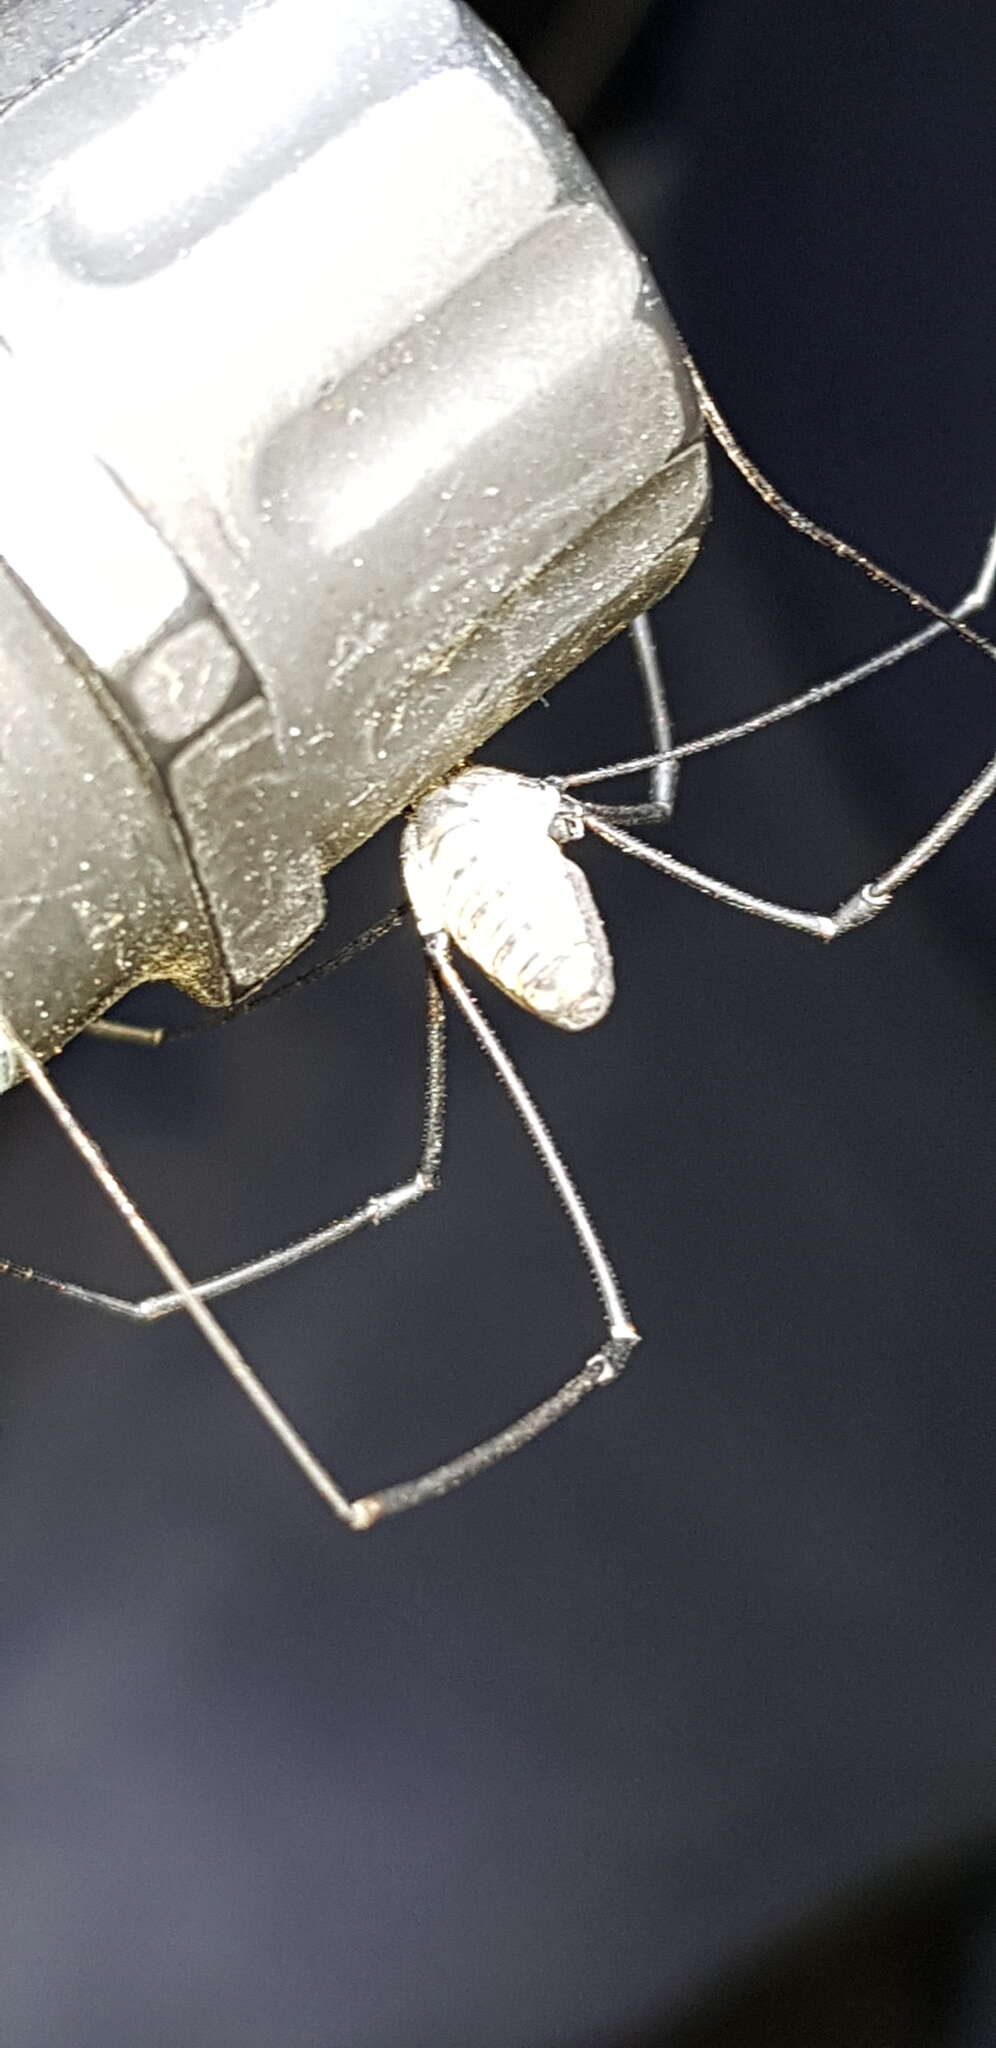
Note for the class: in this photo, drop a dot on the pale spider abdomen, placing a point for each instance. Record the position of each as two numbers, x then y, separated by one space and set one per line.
479 863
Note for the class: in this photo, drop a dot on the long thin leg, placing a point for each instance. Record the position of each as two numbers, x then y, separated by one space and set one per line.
606 1364
125 1034
379 1208
875 895
216 1020
866 903
361 1514
102 1027
664 771
274 992
975 599
663 762
223 1346
821 536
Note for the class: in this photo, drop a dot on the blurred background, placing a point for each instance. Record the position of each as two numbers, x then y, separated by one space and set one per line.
681 1728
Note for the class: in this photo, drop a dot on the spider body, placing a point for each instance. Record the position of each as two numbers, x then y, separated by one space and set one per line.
482 861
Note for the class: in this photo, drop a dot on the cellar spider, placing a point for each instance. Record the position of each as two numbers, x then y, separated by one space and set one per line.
484 870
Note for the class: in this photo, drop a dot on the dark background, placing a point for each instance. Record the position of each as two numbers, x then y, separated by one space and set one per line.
690 1707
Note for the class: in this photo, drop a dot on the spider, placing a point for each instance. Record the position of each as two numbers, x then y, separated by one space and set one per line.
486 872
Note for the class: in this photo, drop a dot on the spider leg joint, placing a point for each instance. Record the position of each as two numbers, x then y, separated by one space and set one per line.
859 909
364 1513
615 1354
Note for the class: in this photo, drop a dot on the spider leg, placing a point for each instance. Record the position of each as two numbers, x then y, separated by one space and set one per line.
664 773
379 1208
867 902
663 762
223 1346
125 1034
361 1514
874 896
800 522
133 1034
621 1337
102 1027
974 600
